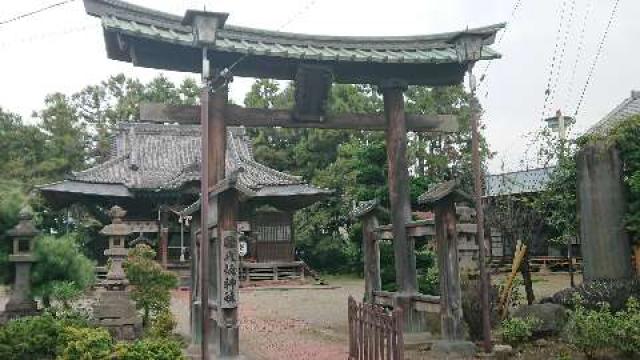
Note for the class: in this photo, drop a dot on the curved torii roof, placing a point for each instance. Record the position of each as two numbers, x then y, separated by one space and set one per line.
155 39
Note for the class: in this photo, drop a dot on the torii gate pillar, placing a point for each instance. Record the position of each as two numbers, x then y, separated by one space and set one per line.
400 201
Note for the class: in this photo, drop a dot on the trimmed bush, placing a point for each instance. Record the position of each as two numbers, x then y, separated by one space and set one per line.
157 349
591 330
592 294
627 330
35 337
85 344
151 283
162 325
517 331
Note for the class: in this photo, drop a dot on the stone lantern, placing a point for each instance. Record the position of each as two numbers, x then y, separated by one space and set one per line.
23 236
114 309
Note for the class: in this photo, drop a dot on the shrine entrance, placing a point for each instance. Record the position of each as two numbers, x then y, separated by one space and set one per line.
202 42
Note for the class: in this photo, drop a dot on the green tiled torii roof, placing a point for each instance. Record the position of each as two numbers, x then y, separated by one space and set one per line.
260 42
157 36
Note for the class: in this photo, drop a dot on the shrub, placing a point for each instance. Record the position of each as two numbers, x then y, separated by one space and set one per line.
151 283
85 344
157 349
517 331
35 337
62 269
162 326
592 294
627 329
591 330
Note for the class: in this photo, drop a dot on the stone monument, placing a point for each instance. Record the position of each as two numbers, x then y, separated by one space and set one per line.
24 235
114 309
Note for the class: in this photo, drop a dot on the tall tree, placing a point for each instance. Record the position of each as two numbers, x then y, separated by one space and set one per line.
66 137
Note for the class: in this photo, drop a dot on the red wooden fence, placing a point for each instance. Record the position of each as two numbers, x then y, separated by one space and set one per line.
374 333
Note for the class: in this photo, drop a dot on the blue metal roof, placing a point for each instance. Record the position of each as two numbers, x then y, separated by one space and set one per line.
519 182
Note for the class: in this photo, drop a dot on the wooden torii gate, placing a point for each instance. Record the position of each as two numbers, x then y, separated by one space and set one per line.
201 42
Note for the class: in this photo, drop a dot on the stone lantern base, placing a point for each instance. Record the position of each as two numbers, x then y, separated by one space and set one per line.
116 312
17 309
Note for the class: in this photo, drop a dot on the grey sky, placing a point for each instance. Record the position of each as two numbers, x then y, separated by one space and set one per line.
63 50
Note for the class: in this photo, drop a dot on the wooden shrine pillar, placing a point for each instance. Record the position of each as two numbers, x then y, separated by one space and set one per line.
371 250
396 138
447 249
441 199
163 246
217 146
367 213
403 245
196 305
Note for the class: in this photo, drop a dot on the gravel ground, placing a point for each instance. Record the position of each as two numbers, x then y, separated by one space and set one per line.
305 322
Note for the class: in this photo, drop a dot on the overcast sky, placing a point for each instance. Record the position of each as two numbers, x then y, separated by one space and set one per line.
63 50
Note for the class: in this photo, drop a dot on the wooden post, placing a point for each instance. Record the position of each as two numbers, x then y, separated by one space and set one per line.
371 250
204 212
164 238
442 199
450 293
396 137
228 271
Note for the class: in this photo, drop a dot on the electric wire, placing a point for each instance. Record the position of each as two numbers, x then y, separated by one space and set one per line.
554 57
597 57
579 50
563 47
516 6
226 72
34 12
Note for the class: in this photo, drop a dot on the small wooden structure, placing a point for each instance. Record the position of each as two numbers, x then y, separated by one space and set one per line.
442 199
374 333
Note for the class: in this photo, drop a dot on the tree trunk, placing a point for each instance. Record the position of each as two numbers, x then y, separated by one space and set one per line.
526 278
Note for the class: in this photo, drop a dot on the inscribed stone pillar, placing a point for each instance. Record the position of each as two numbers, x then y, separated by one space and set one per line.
606 249
23 237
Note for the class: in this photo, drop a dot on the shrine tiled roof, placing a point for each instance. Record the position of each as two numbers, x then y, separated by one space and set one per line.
519 182
629 107
156 157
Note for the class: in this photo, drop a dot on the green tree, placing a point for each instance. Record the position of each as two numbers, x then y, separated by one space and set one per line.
66 137
151 283
62 269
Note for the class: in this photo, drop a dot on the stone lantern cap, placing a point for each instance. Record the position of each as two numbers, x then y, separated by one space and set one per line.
25 227
117 226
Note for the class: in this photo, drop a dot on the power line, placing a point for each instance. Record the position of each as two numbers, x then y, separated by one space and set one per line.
598 53
40 37
34 12
580 48
563 49
227 71
516 5
554 57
